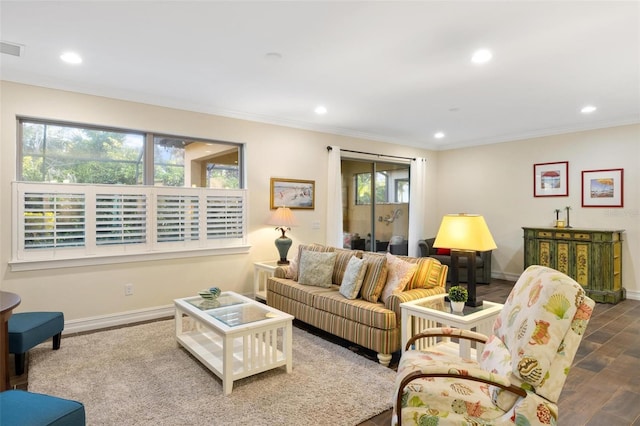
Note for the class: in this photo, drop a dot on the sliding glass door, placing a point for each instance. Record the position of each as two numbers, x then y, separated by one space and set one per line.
375 203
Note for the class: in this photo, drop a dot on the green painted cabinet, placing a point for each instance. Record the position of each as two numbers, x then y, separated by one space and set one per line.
592 257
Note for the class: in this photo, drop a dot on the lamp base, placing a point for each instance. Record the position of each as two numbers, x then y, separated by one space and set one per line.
474 303
283 244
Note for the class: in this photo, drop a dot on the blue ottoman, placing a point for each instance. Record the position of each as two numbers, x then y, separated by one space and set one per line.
21 408
29 329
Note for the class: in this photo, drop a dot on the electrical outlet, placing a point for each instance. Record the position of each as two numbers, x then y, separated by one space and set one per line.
128 289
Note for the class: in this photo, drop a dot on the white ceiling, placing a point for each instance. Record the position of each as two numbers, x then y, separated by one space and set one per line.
390 71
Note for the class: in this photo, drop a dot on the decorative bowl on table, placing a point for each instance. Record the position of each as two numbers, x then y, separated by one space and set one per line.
210 293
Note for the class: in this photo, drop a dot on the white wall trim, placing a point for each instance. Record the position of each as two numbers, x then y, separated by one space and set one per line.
118 319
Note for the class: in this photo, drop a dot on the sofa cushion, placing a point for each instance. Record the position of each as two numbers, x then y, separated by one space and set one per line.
353 278
375 278
296 291
443 251
342 260
358 310
398 276
316 268
309 247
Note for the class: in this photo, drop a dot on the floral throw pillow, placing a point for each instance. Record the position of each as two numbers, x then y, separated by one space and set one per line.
399 275
353 278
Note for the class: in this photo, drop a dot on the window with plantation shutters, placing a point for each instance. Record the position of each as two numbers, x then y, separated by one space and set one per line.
75 221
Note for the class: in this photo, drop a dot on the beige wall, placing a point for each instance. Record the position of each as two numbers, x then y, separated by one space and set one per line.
272 151
494 180
497 181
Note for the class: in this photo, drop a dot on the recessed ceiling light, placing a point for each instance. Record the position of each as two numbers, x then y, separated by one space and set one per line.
71 58
320 110
438 135
481 56
588 109
273 56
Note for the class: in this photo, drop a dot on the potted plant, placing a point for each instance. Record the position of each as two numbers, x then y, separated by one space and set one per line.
458 296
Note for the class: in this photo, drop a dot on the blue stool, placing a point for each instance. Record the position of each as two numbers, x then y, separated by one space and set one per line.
22 408
29 329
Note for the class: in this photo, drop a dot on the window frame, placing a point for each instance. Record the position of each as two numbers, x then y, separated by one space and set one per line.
151 249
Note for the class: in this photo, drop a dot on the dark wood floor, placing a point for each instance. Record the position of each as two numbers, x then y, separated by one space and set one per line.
603 387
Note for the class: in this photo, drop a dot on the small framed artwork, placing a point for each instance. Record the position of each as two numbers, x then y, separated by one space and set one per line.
603 188
293 193
551 179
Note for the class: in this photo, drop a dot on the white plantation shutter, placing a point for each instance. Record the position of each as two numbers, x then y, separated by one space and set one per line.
225 217
77 221
121 219
53 220
177 218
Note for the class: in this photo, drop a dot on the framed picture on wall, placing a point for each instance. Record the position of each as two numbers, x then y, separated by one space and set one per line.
293 193
603 188
551 179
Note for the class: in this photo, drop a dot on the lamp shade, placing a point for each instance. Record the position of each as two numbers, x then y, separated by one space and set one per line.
464 232
283 217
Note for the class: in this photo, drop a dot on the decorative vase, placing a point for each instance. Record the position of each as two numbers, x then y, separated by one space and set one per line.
457 306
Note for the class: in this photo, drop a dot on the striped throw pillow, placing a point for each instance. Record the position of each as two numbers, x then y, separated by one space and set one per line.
375 277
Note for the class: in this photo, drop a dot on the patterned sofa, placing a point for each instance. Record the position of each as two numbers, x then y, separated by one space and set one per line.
368 315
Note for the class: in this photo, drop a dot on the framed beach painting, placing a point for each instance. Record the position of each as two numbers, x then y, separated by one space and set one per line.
551 179
293 193
603 188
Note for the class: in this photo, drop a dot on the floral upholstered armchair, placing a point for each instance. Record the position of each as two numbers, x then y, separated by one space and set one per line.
522 369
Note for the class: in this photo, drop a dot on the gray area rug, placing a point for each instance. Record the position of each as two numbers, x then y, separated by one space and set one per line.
140 376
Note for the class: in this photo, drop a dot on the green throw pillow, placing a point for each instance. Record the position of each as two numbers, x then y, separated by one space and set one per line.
316 268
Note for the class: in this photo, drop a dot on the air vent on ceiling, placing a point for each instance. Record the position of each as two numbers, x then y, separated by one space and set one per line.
11 48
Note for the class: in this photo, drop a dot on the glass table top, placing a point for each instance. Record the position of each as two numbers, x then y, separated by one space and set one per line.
441 304
241 314
220 302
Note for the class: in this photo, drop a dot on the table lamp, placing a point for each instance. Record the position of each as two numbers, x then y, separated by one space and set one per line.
464 234
283 219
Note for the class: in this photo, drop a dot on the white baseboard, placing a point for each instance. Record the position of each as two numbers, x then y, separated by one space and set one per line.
118 319
505 276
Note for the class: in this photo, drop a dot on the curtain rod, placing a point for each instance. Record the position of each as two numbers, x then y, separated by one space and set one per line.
330 148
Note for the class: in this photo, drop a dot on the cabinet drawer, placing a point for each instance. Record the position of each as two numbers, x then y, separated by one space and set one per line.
563 235
545 234
582 237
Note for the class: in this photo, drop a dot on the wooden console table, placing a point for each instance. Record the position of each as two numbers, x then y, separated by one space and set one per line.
8 301
592 257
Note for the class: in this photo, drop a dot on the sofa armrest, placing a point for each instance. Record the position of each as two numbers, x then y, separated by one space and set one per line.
394 301
281 271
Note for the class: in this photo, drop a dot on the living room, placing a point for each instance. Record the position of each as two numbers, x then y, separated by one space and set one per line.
494 179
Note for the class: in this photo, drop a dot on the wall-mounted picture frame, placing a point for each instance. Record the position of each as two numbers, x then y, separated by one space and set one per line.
551 179
293 193
603 188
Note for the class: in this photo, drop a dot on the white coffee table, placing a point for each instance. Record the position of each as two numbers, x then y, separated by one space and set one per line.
434 311
234 336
